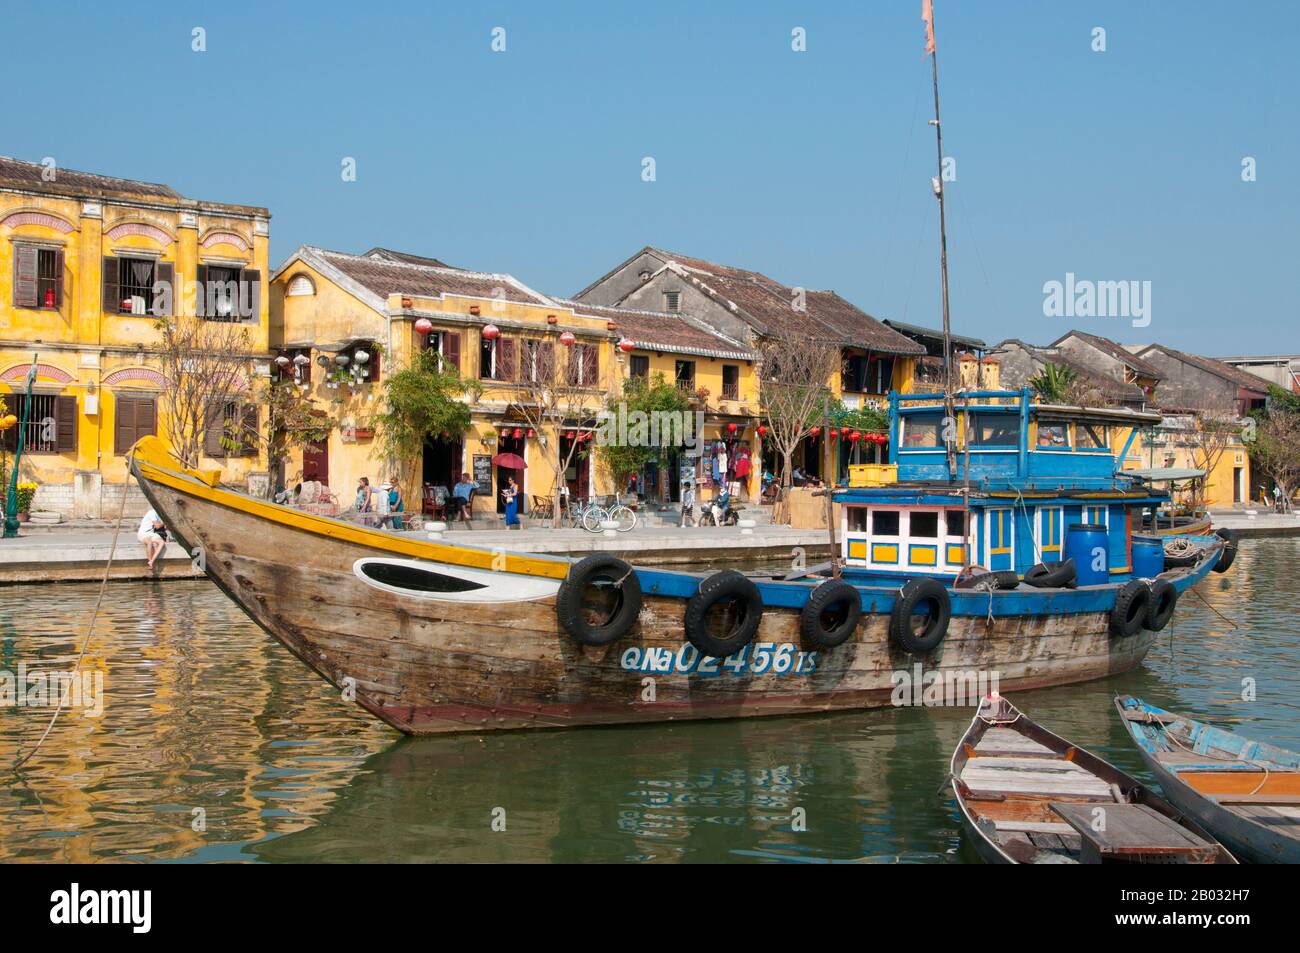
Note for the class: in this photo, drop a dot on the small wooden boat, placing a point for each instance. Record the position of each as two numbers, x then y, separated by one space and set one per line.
1028 796
1246 792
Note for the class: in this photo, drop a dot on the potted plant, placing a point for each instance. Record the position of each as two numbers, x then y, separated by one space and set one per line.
26 493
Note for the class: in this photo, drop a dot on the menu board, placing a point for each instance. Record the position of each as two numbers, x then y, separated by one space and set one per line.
483 473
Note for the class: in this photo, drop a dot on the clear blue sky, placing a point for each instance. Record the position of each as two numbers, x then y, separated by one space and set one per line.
813 167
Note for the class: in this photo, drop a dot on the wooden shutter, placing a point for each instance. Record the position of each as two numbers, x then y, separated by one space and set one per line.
146 418
58 278
214 430
590 365
505 359
65 425
249 418
164 274
546 362
451 348
254 279
201 295
372 368
25 264
112 302
123 423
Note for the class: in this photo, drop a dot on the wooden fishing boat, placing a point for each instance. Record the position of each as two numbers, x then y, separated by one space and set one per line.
1028 796
433 637
1245 791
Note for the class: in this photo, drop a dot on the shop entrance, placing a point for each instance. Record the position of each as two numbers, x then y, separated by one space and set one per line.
508 443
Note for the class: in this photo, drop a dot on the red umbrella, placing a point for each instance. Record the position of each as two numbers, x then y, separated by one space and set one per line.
511 461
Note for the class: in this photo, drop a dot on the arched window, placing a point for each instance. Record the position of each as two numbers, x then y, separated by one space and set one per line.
300 285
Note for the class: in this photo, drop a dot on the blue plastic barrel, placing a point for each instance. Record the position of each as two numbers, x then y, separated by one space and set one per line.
1148 556
1089 546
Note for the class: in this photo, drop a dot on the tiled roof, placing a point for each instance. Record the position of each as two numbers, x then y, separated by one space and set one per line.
30 175
390 254
768 306
1208 364
1104 383
660 330
1117 351
381 278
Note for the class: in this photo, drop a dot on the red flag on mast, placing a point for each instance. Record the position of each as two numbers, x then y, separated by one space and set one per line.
927 17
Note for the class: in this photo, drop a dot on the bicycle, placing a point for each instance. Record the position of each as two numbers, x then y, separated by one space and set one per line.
592 515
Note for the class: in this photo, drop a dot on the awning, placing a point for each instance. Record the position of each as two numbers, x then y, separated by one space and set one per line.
1161 474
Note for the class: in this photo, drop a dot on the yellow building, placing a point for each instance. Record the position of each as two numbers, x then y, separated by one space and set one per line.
1176 443
86 264
327 304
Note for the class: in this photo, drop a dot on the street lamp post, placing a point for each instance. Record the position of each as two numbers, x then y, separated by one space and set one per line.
11 499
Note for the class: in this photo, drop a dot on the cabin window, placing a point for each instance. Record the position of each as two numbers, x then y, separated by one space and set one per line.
857 519
1054 435
956 522
1091 436
996 430
922 431
401 576
884 523
925 525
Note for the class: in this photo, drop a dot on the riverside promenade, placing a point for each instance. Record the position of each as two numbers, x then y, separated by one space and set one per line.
74 553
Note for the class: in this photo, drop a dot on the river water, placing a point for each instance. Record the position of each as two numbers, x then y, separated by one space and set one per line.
215 744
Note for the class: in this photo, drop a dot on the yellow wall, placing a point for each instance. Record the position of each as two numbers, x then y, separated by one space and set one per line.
80 345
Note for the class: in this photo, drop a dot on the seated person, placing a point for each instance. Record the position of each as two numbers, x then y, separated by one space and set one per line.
462 498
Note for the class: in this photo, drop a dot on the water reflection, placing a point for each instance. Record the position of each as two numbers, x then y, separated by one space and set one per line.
206 714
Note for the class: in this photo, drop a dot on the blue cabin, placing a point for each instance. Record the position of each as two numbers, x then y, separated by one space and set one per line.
996 483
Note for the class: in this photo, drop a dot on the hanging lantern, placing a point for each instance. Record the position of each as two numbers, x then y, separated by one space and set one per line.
834 434
282 361
815 432
761 430
491 332
517 433
567 339
626 346
323 360
731 428
531 433
844 431
301 360
342 360
361 357
855 436
423 326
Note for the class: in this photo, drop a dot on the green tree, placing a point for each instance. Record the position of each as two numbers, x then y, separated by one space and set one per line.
1054 383
648 397
291 421
420 401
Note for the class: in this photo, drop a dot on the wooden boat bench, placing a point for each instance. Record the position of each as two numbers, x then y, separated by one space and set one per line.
1134 833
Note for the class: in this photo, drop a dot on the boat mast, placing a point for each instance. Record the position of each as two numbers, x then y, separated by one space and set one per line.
927 14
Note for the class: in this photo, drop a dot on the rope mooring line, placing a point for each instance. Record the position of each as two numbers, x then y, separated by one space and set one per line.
85 642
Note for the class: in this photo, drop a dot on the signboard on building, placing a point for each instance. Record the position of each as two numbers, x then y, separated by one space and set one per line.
483 472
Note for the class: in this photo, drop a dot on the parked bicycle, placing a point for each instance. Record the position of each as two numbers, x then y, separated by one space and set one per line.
590 515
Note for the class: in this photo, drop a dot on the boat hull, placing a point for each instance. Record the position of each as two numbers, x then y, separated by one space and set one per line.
431 665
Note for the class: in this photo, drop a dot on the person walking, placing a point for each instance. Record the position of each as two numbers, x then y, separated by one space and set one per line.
396 505
511 495
688 503
153 534
364 496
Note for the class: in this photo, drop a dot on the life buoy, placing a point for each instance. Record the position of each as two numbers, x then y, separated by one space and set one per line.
1164 599
831 614
1053 575
740 627
931 595
599 600
1130 612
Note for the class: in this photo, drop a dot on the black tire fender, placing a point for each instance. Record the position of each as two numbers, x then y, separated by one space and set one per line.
1054 575
1006 579
1164 599
829 596
1229 552
911 597
1130 612
725 586
602 570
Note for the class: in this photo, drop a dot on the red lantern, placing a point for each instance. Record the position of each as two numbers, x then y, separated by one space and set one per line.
731 428
423 325
587 436
834 434
567 339
491 332
531 433
855 436
518 433
761 430
49 297
626 346
844 431
815 432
